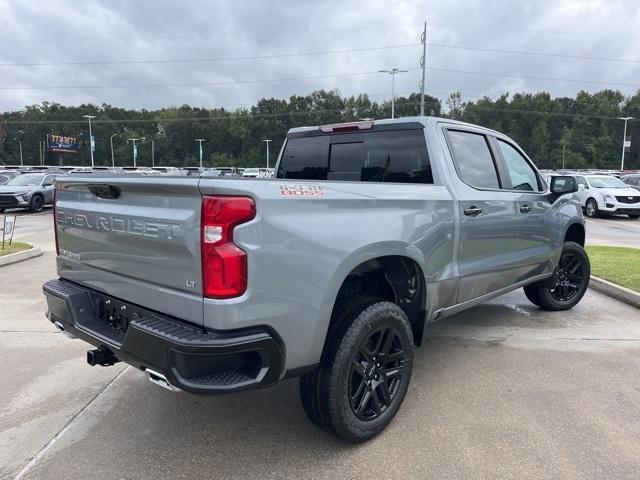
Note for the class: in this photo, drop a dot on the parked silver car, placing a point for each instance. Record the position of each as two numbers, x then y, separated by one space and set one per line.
31 191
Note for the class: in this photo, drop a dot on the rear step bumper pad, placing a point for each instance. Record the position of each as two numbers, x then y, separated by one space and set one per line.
191 358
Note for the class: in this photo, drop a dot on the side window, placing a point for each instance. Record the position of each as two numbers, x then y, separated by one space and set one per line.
582 182
48 180
473 159
523 176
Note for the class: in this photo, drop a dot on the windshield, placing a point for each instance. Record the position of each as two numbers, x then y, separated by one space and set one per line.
606 182
28 179
251 170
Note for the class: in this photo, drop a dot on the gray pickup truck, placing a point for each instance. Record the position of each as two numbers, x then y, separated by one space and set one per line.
328 272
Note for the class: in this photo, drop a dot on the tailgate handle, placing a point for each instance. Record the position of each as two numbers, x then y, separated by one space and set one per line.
107 192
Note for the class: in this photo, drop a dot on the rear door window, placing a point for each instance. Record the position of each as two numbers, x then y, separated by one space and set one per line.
385 156
473 160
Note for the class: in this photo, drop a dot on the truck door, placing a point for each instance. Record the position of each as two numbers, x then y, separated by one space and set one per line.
488 258
535 236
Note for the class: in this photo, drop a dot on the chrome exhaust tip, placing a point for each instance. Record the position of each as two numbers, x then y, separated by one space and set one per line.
159 379
61 329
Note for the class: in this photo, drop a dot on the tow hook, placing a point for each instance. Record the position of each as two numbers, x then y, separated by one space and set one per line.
101 356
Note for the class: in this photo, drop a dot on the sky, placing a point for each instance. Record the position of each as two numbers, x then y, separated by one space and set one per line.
158 53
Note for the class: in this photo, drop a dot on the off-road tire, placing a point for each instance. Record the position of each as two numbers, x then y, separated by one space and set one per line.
548 294
326 391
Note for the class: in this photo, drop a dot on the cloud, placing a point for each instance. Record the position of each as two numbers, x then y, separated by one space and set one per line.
68 31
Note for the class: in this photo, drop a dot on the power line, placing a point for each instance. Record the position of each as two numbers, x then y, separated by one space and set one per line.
211 36
310 113
533 77
531 30
198 84
539 54
325 52
313 77
206 60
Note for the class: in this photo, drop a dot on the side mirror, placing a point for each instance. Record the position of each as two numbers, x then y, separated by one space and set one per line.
580 187
562 185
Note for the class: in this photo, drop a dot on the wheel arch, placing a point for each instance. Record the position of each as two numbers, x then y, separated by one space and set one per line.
397 277
575 233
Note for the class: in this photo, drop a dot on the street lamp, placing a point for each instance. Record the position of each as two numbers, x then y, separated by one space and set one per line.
91 142
393 73
624 139
135 150
113 162
200 140
267 142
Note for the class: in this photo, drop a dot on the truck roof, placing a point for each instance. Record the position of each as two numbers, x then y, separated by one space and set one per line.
426 121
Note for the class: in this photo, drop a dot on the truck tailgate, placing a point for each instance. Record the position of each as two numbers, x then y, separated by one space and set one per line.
134 238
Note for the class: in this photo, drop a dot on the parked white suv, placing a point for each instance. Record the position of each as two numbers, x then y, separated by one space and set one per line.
607 195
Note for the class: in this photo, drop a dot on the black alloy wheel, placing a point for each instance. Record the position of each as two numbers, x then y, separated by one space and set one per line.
376 373
569 277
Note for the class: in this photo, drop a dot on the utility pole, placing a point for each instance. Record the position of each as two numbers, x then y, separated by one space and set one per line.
153 161
624 140
267 142
563 147
92 143
113 161
21 162
40 151
200 140
423 64
393 73
135 151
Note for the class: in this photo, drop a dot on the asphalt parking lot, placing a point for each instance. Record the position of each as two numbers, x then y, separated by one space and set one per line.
501 391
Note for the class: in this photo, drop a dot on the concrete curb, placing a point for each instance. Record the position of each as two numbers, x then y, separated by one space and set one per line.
20 256
618 292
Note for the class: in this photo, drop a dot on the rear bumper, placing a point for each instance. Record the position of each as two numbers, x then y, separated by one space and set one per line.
191 358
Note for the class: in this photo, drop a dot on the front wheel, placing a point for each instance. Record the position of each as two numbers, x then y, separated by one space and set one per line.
36 204
591 208
568 284
364 372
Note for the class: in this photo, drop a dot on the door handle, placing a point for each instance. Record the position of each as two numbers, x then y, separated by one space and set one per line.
525 208
472 211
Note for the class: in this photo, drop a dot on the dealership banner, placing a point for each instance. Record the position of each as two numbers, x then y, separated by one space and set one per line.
61 143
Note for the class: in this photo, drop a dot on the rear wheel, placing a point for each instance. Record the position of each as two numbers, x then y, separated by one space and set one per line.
591 208
364 372
36 204
569 282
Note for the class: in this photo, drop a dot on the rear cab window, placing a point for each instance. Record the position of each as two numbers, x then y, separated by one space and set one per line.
398 156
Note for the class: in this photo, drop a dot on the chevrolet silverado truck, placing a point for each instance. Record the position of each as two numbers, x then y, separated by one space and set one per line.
328 272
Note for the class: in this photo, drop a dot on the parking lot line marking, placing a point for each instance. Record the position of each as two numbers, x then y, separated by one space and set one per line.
68 425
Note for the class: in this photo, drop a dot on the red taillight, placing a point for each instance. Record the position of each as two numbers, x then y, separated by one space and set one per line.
55 223
224 264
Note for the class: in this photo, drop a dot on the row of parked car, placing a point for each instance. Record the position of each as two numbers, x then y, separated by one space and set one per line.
604 194
32 187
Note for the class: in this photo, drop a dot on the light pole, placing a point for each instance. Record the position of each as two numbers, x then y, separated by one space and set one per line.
91 142
20 144
113 162
624 139
267 142
563 146
153 153
135 150
200 140
393 72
